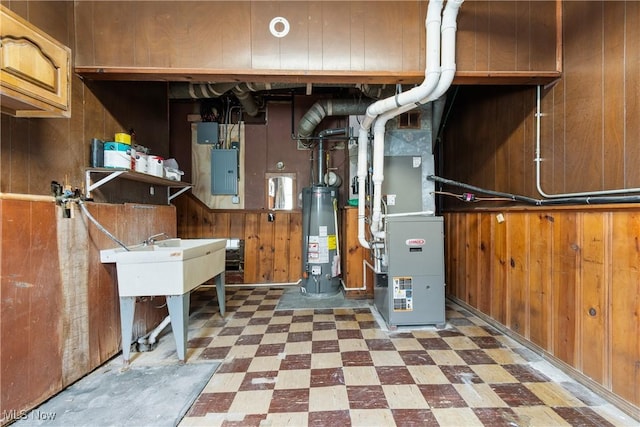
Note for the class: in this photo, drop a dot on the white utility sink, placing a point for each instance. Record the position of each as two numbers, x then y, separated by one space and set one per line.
167 267
173 268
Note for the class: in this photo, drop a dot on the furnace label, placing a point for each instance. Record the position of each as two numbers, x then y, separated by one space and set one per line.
402 294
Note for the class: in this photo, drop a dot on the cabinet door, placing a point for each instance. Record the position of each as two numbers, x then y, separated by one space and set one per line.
34 70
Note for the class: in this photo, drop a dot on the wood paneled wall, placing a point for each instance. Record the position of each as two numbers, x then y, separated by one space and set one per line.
507 36
566 279
59 311
590 122
59 315
34 152
335 39
272 249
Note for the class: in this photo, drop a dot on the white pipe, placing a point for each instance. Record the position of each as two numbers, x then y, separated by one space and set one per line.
538 161
152 336
433 24
364 277
363 140
255 285
378 167
448 60
337 260
432 68
448 63
421 213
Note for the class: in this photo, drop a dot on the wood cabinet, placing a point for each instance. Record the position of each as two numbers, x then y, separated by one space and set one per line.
35 70
355 273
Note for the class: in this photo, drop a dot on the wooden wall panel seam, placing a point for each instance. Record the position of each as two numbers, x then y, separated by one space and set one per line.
609 281
578 361
593 264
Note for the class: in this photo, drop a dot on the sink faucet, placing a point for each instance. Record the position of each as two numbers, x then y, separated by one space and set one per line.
152 239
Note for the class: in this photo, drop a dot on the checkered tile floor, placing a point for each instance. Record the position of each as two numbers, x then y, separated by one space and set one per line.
338 367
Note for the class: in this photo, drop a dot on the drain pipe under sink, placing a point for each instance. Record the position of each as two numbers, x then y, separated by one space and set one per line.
151 338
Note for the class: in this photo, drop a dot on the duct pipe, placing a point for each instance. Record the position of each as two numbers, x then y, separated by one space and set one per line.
199 90
215 90
377 91
242 92
329 107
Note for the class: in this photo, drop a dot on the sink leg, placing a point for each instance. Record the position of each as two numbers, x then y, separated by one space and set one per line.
179 312
221 292
127 309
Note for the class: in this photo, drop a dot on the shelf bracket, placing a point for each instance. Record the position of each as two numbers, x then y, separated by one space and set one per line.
89 186
170 196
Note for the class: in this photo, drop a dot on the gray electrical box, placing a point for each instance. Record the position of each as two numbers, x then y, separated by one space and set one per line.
411 291
207 133
224 172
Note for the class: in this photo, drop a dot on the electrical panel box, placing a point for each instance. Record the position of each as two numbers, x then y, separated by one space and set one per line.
224 172
207 133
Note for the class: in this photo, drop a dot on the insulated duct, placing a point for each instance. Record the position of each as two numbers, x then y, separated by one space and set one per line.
199 90
378 91
329 107
242 91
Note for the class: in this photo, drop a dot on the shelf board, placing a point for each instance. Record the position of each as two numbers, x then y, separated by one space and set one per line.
109 174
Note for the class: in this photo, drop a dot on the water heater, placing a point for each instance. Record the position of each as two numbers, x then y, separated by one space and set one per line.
320 252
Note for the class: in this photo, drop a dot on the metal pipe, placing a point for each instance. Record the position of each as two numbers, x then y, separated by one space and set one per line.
587 200
256 285
538 161
100 227
328 107
320 161
322 134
